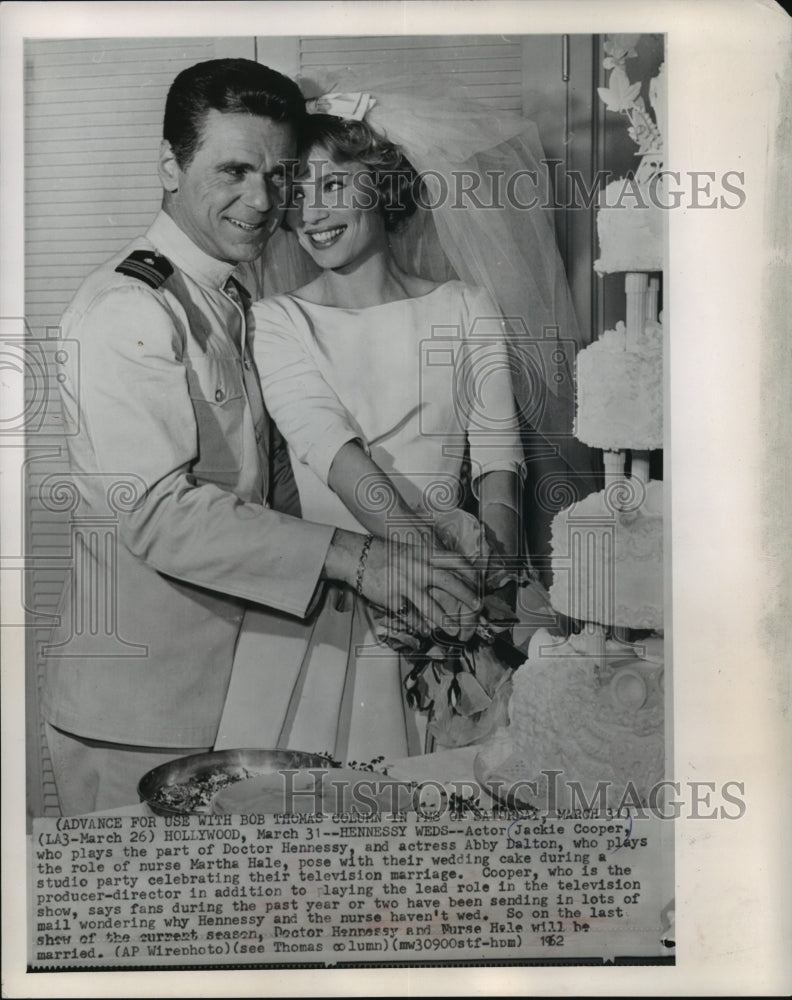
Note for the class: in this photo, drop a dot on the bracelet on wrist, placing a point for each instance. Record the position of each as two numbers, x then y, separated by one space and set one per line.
362 564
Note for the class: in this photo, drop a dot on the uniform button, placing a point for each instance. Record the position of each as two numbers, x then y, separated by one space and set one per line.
246 363
219 395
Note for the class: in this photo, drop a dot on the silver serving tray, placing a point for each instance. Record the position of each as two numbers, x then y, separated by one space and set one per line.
158 787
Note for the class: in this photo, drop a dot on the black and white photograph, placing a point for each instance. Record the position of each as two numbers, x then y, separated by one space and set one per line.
366 584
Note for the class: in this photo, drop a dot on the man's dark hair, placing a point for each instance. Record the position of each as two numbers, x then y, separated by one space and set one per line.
231 86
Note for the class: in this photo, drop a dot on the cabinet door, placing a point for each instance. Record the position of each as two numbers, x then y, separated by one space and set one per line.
558 94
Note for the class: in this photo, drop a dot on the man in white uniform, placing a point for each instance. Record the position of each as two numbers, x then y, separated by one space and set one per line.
168 436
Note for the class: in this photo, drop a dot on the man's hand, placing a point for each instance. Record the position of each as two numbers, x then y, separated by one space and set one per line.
405 581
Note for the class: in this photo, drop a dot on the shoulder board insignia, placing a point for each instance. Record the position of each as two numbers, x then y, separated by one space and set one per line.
244 295
148 266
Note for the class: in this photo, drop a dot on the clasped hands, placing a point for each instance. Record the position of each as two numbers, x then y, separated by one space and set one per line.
445 580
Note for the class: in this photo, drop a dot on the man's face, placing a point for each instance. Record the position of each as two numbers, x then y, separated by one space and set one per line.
230 198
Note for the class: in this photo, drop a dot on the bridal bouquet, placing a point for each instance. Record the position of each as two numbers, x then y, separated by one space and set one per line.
464 686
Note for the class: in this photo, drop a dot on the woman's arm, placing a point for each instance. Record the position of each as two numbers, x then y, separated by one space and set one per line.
369 493
371 496
498 493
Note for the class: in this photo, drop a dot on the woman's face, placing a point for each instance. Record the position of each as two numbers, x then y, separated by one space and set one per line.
334 211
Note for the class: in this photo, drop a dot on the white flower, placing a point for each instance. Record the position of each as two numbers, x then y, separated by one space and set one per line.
620 94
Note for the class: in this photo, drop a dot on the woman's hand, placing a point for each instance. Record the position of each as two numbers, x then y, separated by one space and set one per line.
426 592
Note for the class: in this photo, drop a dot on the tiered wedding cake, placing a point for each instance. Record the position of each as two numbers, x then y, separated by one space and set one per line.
591 707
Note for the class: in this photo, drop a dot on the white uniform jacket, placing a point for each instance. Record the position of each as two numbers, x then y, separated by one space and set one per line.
168 443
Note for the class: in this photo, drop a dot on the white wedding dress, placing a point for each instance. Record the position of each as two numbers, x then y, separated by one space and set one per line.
417 381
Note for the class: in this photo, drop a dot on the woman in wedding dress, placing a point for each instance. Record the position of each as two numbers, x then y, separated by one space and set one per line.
395 391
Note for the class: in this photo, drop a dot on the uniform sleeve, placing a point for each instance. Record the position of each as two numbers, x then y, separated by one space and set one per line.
486 386
132 397
307 411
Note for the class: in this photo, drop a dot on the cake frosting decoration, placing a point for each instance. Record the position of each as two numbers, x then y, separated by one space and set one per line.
590 705
603 737
608 559
619 390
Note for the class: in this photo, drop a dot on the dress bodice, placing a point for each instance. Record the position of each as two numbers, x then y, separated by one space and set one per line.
416 381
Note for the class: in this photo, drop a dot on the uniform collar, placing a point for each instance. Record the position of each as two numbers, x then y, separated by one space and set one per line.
180 250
